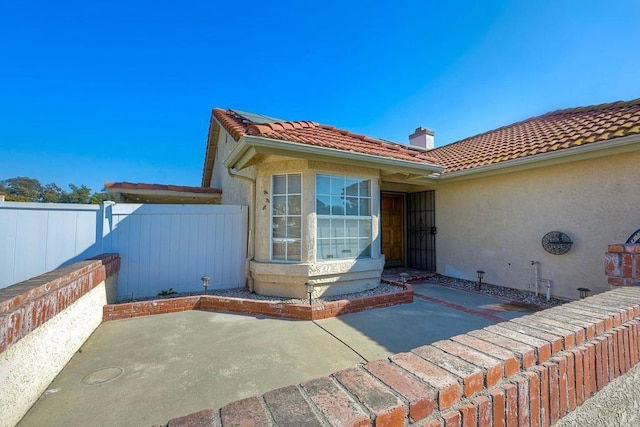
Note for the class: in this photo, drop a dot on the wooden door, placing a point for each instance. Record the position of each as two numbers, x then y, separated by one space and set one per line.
392 213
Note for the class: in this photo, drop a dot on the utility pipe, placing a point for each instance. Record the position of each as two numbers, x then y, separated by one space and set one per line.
252 219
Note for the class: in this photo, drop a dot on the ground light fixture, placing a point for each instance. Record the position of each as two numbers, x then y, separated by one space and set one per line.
205 283
310 287
480 276
403 278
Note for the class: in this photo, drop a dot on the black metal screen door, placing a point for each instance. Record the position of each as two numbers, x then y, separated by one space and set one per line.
421 238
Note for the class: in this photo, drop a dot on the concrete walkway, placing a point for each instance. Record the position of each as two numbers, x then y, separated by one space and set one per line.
144 371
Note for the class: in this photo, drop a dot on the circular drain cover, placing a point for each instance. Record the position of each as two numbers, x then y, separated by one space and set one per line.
102 376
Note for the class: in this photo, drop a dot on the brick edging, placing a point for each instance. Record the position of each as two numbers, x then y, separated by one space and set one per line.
29 304
257 307
531 370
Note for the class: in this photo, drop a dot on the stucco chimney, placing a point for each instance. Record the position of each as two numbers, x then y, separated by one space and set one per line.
422 138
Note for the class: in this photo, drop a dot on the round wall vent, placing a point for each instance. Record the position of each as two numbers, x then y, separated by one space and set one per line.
556 243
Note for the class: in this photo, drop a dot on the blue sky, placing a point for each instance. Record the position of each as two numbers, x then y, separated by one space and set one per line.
123 90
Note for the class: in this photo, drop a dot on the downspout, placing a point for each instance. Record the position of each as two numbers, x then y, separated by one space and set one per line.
252 219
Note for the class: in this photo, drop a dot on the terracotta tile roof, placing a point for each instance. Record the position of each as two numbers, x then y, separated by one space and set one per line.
311 133
159 187
549 132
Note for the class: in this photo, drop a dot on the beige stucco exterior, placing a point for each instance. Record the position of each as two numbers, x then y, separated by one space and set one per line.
496 223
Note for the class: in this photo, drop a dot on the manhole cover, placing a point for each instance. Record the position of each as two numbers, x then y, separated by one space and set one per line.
102 376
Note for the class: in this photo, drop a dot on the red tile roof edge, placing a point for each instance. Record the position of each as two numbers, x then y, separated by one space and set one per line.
160 187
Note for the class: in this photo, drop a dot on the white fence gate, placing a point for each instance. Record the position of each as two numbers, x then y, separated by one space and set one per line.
161 246
173 246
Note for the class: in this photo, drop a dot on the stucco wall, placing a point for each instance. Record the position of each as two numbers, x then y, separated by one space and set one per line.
235 191
496 223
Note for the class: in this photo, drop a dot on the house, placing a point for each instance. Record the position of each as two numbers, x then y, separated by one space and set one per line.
533 204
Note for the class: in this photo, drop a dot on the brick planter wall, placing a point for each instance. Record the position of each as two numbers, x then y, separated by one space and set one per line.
256 307
529 371
27 305
622 265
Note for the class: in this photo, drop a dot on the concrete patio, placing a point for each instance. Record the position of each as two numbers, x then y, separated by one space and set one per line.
148 370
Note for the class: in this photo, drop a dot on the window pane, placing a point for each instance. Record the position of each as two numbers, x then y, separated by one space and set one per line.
293 251
295 184
365 207
337 185
365 248
323 184
352 186
278 251
345 250
323 205
324 249
337 228
279 205
364 188
279 184
352 206
352 228
365 228
279 228
293 228
352 249
337 205
324 228
294 205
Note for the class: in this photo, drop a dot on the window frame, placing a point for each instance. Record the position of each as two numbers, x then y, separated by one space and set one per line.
344 217
271 216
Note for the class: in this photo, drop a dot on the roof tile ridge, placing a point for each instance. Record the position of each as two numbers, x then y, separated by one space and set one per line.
230 122
268 128
595 107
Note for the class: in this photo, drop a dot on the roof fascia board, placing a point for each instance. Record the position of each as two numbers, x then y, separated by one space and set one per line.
617 146
126 191
292 149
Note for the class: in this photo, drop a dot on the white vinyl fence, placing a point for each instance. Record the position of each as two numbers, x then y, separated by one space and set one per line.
166 247
37 237
161 246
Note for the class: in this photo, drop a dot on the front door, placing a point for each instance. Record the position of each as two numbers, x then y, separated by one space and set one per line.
392 213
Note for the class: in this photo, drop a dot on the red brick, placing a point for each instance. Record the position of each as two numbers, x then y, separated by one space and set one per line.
208 418
451 419
602 362
578 356
492 368
543 374
615 281
469 416
526 353
554 392
499 405
287 406
484 411
335 404
433 423
471 376
612 264
524 400
588 327
615 248
508 358
420 396
543 348
597 319
627 265
245 412
567 337
563 385
446 385
571 380
611 355
511 397
534 397
578 332
376 397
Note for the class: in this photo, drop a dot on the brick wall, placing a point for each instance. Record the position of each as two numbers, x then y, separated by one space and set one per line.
256 307
622 265
27 305
528 371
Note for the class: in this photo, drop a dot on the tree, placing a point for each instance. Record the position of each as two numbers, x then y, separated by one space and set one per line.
24 189
21 189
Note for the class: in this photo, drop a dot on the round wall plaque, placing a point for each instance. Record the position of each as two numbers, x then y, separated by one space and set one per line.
556 243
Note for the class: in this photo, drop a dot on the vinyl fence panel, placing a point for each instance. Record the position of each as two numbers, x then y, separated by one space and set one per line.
166 247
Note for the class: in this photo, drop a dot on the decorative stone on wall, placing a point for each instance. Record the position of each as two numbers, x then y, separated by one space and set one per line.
622 265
